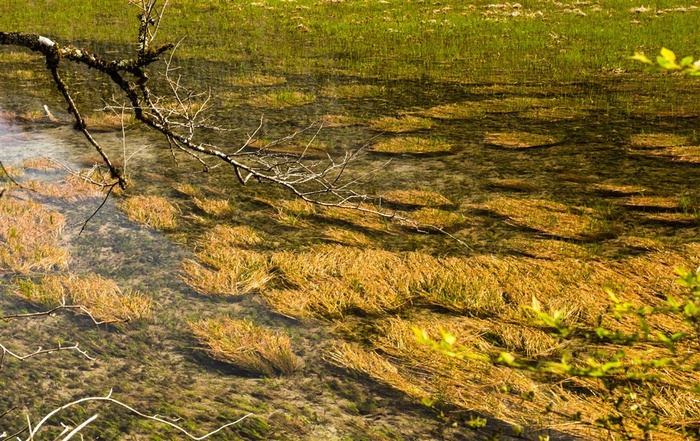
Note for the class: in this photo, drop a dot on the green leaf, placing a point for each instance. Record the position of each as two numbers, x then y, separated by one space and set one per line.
687 61
640 57
668 55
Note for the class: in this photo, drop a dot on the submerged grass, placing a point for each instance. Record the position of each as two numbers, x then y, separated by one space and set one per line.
412 145
98 296
248 347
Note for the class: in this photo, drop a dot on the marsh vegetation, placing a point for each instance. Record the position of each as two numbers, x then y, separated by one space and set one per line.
556 168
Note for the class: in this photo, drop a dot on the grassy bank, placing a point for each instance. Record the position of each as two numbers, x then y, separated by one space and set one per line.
409 39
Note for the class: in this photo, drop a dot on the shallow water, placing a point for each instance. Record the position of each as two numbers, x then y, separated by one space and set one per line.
158 365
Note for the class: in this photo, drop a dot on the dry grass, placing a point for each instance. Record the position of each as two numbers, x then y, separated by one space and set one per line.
231 270
411 145
283 99
402 124
187 189
153 211
657 140
107 121
418 198
100 297
294 211
42 164
554 114
352 91
477 109
11 170
248 347
518 140
74 187
29 237
347 237
213 207
548 217
437 218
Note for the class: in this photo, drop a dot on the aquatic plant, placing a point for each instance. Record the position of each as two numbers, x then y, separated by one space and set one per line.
248 347
153 211
412 145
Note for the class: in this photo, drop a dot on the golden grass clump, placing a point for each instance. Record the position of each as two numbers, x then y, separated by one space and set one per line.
41 163
554 114
248 347
352 91
294 210
402 124
100 297
154 211
411 145
283 99
462 285
256 80
187 189
418 198
518 140
548 217
107 122
330 281
354 217
657 140
11 170
74 187
477 109
29 236
437 218
213 207
514 184
232 270
347 237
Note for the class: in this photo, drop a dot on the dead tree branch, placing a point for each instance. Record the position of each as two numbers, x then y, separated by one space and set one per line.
180 118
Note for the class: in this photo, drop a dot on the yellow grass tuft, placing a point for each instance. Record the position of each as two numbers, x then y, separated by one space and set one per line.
41 163
401 125
657 140
416 197
548 217
352 91
294 211
518 140
107 121
187 189
99 297
153 211
477 109
248 347
283 99
72 188
514 184
411 145
347 237
29 236
437 218
213 207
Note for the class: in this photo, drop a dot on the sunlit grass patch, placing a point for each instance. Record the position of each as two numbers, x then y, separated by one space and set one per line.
340 121
251 80
213 207
463 285
686 153
18 57
187 189
100 297
548 217
477 109
652 202
29 236
402 124
518 140
411 145
352 91
554 113
547 248
619 190
354 217
355 358
437 218
294 211
154 211
332 281
420 198
11 171
346 237
657 140
107 121
283 99
73 187
240 343
41 163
